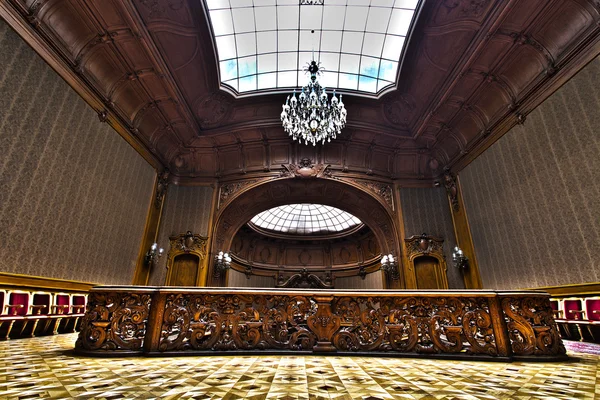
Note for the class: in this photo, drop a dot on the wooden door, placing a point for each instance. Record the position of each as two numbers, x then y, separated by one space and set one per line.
427 273
185 270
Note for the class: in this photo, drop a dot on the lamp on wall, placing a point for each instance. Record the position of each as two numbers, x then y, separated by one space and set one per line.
153 255
222 263
389 265
459 259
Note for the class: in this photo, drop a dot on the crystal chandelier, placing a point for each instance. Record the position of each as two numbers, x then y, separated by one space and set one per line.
311 116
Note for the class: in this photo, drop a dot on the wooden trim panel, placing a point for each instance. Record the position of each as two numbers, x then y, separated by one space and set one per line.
30 281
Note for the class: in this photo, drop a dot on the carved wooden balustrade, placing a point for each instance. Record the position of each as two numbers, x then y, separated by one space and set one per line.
467 324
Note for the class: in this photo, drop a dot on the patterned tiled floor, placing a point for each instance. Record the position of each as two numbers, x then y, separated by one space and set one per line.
46 368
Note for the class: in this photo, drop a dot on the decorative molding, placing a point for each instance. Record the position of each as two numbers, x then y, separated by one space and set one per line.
305 279
305 169
577 289
212 109
449 180
424 245
383 190
228 190
161 187
42 282
398 109
188 243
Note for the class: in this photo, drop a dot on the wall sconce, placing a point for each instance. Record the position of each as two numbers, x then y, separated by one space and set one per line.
459 259
389 265
222 263
153 255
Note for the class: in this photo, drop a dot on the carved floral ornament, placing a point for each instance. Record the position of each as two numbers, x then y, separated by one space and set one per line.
188 243
398 323
423 245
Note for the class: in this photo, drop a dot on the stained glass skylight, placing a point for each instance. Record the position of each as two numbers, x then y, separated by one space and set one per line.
305 219
265 44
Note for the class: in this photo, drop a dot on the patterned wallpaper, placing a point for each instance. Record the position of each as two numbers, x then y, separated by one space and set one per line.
533 198
187 208
74 195
426 210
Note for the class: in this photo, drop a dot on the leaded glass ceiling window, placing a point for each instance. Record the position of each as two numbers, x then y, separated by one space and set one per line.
265 44
305 219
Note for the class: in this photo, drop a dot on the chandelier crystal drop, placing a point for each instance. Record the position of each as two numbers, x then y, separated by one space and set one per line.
311 117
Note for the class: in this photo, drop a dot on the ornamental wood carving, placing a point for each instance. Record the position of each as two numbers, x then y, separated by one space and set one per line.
505 325
305 169
115 321
424 245
430 246
473 69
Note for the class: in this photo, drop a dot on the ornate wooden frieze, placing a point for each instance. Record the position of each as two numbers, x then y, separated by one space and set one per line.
423 245
235 322
228 190
463 323
382 190
305 169
115 321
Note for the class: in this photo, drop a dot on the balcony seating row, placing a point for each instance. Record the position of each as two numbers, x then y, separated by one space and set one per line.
28 313
578 318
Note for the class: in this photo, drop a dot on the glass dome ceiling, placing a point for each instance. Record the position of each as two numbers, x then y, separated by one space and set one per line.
305 219
265 44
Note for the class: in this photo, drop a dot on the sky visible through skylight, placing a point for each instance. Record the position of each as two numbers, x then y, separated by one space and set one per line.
305 219
265 44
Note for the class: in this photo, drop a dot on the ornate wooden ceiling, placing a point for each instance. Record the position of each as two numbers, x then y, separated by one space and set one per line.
473 69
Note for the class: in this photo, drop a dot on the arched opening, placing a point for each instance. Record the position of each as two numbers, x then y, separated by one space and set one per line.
369 209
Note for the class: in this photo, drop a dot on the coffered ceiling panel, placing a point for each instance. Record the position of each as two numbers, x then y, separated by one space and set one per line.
471 70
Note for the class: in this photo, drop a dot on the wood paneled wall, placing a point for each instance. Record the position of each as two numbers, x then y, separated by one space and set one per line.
533 198
74 195
426 210
187 208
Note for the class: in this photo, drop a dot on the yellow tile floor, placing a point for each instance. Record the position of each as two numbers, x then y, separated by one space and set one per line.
45 367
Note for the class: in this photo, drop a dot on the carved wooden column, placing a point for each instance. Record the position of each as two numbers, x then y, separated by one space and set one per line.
203 277
408 281
142 269
462 230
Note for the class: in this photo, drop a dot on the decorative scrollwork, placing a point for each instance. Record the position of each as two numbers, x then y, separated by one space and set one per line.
236 322
490 324
114 321
531 326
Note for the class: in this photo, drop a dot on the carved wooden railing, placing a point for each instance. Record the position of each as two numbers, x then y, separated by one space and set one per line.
483 324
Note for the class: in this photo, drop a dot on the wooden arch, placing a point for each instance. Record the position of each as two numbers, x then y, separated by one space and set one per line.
333 192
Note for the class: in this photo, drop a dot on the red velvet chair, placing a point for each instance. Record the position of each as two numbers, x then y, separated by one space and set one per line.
592 311
39 315
78 302
61 308
574 314
15 310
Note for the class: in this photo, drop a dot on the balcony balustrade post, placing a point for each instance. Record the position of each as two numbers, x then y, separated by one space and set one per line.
500 328
154 324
